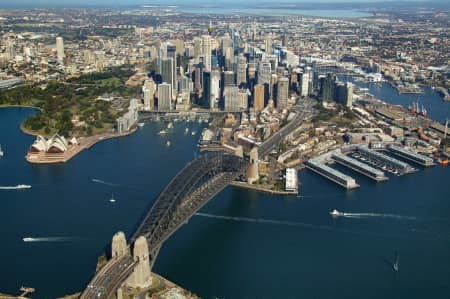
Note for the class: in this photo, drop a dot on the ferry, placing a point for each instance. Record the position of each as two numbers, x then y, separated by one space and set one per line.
443 162
27 239
23 186
162 132
336 213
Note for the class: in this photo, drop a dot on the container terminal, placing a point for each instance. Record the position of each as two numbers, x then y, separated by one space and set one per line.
409 155
360 167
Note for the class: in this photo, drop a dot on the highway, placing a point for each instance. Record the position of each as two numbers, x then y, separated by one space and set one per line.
302 109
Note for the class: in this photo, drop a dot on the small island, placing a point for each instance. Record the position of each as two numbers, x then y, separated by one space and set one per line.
76 113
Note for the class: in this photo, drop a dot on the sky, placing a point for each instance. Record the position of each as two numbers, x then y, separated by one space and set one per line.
79 3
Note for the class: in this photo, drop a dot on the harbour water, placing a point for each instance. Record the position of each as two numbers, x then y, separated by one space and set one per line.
242 244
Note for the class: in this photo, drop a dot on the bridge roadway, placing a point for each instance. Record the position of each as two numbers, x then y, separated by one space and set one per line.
198 182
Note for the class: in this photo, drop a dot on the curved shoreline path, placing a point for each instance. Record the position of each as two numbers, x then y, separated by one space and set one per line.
73 150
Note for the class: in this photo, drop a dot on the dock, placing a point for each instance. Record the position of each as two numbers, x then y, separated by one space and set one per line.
338 177
411 156
357 166
374 156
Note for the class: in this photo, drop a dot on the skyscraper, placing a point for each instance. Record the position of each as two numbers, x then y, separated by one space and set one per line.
258 97
164 96
149 90
206 49
60 49
304 84
264 73
282 92
167 71
241 70
327 87
231 98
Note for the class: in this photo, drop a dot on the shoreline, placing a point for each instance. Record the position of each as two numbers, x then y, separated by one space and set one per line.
73 150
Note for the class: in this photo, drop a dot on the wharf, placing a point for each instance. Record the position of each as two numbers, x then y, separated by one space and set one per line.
331 174
409 155
374 156
262 188
362 168
73 150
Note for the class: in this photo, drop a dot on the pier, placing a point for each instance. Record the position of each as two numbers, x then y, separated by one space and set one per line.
357 166
331 174
409 155
374 156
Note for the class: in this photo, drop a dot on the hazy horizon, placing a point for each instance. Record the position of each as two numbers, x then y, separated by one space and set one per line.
110 3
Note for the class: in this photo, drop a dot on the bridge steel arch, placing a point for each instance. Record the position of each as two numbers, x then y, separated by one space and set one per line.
197 183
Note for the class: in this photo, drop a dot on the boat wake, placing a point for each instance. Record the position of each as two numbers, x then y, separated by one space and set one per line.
18 187
103 182
271 221
47 239
375 215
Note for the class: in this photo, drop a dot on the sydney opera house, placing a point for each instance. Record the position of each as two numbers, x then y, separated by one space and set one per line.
53 150
56 144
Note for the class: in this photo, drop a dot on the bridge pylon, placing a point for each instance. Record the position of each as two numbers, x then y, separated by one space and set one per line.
141 276
119 245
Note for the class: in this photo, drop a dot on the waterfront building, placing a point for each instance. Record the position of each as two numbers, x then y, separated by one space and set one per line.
148 91
282 92
129 119
258 97
60 49
56 144
164 96
253 169
291 180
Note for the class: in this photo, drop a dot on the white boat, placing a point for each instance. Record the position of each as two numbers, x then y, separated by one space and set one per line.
168 143
23 186
395 262
140 124
112 198
186 130
170 126
27 239
162 132
193 133
1 152
336 213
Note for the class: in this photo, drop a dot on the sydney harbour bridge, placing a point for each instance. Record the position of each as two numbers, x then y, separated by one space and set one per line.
197 183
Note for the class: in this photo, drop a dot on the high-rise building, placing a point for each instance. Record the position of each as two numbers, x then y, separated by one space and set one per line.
215 89
60 49
327 87
206 49
241 77
149 90
348 94
243 99
304 84
167 71
164 97
264 73
207 88
231 98
197 47
268 44
284 40
228 78
282 92
258 97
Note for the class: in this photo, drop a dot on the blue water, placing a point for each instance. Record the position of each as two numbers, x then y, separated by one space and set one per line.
275 12
278 247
